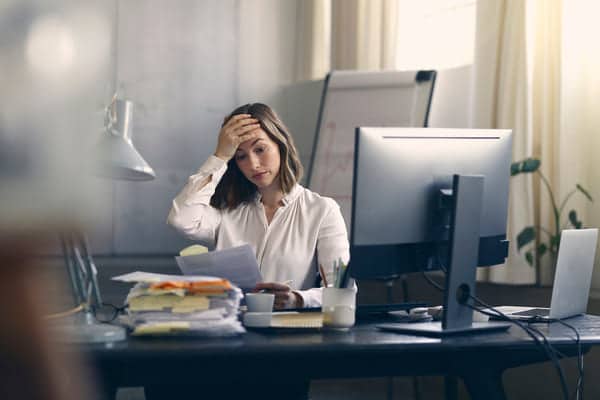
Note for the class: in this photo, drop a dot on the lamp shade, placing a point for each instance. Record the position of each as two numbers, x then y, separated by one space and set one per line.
118 157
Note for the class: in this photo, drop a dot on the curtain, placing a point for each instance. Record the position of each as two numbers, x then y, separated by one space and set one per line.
364 34
501 96
546 88
345 34
580 111
313 39
545 33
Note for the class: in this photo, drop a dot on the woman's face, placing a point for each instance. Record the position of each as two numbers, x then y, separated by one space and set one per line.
259 160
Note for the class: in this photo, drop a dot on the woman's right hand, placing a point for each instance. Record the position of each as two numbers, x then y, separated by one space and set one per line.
237 130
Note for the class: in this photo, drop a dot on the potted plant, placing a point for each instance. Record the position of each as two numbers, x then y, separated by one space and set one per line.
538 241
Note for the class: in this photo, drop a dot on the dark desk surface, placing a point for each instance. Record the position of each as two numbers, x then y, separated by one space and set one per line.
364 351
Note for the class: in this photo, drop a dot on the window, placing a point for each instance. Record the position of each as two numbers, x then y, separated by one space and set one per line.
435 34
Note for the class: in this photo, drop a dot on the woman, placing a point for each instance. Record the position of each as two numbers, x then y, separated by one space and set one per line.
248 192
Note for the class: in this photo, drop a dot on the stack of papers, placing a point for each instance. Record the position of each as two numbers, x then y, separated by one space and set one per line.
161 304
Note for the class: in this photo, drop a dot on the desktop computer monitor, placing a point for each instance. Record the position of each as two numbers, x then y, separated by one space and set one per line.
403 179
427 199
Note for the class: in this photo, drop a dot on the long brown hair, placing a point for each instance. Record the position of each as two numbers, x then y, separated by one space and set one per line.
234 189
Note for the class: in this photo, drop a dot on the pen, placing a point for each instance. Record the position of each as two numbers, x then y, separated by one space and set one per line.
336 273
340 274
345 275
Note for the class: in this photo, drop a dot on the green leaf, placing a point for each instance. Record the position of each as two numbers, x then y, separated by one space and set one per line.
530 165
515 168
527 235
529 258
525 166
573 219
585 192
541 250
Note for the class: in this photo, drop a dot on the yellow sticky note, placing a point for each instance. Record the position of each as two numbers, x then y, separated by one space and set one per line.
153 303
178 304
162 328
191 304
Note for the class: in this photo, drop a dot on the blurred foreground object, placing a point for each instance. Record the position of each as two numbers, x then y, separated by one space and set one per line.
32 366
55 60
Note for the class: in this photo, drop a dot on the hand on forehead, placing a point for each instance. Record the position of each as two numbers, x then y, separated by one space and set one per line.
261 136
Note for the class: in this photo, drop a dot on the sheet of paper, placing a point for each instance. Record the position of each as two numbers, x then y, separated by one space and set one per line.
149 277
238 264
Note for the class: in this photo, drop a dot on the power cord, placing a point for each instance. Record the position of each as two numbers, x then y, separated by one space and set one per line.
579 389
545 345
552 354
63 314
432 282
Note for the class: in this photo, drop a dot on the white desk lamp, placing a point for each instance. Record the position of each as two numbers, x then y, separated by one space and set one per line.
118 159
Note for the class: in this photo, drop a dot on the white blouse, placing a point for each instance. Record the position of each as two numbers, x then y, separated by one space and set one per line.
306 231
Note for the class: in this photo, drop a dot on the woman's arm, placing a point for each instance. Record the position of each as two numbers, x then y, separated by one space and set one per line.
332 245
191 212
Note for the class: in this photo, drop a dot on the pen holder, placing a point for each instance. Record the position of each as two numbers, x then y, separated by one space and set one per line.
339 307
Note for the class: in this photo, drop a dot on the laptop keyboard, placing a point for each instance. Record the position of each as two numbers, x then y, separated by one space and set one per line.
533 312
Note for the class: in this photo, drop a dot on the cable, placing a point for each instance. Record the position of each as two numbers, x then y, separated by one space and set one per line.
579 389
432 282
552 354
545 345
551 351
66 313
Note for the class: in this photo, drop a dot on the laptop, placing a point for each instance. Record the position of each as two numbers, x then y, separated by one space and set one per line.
572 280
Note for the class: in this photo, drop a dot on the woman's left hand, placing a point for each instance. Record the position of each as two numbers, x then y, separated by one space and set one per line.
284 296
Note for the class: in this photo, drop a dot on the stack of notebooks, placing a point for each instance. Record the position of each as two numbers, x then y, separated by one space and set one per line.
190 305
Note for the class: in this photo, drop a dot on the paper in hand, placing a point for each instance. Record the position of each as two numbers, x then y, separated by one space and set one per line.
238 264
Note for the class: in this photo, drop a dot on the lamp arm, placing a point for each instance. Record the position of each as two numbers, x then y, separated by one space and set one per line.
90 268
70 262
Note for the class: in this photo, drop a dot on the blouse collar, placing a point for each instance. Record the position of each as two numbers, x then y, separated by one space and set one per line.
288 198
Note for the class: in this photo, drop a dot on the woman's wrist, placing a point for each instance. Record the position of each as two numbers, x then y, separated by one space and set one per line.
299 303
222 157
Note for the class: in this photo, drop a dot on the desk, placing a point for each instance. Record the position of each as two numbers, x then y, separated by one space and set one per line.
364 351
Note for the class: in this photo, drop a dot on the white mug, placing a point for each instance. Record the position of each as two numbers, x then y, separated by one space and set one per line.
260 302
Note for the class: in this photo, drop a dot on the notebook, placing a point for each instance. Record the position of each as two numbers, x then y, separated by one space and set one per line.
284 320
572 280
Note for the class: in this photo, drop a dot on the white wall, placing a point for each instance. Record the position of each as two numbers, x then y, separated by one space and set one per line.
186 64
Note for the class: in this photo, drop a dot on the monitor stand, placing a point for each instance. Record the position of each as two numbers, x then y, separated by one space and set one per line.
465 219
